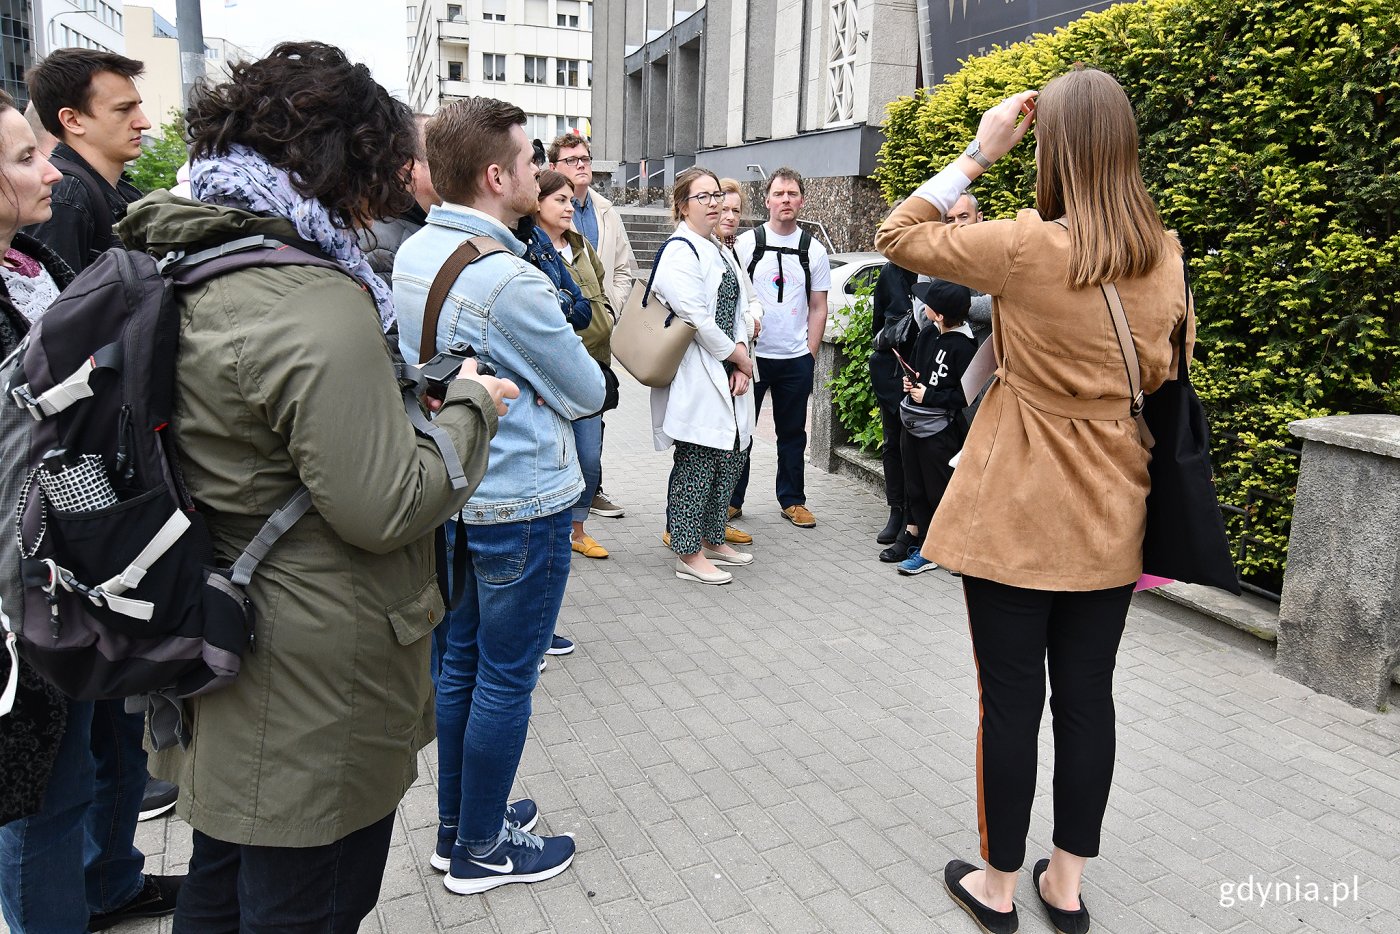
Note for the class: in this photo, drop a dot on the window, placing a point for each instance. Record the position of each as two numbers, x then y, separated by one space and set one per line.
590 75
493 10
537 127
566 13
454 12
493 67
536 70
536 12
211 53
412 13
561 126
566 72
454 71
862 278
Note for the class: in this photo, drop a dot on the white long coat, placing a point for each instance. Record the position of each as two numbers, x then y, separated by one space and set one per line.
697 406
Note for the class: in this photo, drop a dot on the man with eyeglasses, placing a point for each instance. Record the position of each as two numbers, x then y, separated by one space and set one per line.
598 221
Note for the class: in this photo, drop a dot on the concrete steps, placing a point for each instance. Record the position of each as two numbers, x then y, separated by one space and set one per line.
648 228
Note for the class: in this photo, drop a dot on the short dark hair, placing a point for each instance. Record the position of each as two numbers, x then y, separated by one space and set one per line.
467 136
567 141
309 110
790 174
64 79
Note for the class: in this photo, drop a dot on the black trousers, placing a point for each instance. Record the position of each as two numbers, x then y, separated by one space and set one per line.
233 889
790 382
890 454
926 473
1016 634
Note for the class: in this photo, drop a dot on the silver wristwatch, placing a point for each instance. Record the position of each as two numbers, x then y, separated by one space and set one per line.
974 152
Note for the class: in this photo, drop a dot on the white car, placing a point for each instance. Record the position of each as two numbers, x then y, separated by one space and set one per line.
849 272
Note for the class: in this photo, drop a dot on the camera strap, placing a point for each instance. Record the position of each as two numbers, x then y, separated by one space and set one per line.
467 253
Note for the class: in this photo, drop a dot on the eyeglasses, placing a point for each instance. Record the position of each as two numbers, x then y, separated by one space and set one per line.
572 161
708 197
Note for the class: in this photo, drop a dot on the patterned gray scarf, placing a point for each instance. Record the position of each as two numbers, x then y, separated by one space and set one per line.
241 178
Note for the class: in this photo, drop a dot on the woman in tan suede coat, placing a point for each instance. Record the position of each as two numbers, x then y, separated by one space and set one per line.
1046 511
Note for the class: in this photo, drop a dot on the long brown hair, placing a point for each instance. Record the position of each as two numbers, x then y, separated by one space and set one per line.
1088 172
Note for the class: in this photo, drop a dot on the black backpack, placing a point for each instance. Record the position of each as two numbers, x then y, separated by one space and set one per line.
121 595
801 251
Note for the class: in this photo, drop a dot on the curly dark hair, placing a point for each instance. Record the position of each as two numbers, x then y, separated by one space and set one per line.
308 109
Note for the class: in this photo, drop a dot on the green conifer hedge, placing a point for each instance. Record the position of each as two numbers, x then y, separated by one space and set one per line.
1271 140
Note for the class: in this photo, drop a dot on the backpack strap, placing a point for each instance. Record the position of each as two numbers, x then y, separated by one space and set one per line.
804 248
274 528
467 253
96 195
760 246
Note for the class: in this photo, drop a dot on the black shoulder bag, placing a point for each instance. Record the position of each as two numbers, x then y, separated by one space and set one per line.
1185 537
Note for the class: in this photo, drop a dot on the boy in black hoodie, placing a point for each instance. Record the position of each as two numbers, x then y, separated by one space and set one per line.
931 411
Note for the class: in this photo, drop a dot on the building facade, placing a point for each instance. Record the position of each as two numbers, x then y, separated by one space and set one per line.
152 39
17 48
537 54
746 86
84 24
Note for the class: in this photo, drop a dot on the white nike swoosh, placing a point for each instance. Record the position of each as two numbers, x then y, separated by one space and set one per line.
503 868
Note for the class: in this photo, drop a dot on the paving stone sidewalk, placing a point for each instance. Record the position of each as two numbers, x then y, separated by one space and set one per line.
794 753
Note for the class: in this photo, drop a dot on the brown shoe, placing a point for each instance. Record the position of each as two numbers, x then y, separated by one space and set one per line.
734 513
737 536
800 516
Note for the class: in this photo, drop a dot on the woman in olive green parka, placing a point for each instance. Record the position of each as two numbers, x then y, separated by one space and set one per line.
284 379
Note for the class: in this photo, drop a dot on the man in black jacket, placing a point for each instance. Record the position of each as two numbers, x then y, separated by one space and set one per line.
89 102
891 324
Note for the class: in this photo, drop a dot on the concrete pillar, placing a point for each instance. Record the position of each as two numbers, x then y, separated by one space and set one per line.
1339 620
758 69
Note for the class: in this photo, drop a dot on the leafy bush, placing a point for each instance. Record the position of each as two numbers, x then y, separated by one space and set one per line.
851 390
158 162
1270 138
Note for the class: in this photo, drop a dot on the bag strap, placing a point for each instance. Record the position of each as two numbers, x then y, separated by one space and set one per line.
1130 359
1181 361
656 264
468 252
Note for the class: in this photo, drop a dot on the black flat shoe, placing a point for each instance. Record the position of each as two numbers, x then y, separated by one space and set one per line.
992 922
892 528
900 549
1066 922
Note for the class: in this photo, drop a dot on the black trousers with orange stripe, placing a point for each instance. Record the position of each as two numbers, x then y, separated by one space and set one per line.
1016 635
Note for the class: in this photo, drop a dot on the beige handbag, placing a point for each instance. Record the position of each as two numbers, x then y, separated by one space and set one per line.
649 340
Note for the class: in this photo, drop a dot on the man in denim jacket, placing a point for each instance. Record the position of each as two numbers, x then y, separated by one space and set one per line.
519 518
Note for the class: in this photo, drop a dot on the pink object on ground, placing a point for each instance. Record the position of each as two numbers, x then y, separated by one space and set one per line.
1147 582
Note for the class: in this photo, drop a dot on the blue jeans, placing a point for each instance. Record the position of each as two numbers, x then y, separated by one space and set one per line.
790 382
588 439
86 819
495 641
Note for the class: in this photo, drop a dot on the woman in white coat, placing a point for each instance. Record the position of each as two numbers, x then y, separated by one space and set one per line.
707 412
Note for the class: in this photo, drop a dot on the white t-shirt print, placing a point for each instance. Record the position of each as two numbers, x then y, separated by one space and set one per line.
784 333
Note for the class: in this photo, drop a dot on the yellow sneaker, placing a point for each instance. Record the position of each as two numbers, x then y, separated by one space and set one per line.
737 536
587 547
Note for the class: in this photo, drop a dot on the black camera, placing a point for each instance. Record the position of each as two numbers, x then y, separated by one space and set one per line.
439 372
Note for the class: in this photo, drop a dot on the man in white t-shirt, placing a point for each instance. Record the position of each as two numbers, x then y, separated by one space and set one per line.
791 275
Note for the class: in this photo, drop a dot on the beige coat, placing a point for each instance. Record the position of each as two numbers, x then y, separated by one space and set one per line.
1050 492
615 251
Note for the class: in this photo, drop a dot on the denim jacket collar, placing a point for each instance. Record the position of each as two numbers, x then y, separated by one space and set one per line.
478 223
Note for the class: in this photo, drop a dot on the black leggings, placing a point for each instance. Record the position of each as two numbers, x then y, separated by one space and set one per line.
927 474
1015 632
